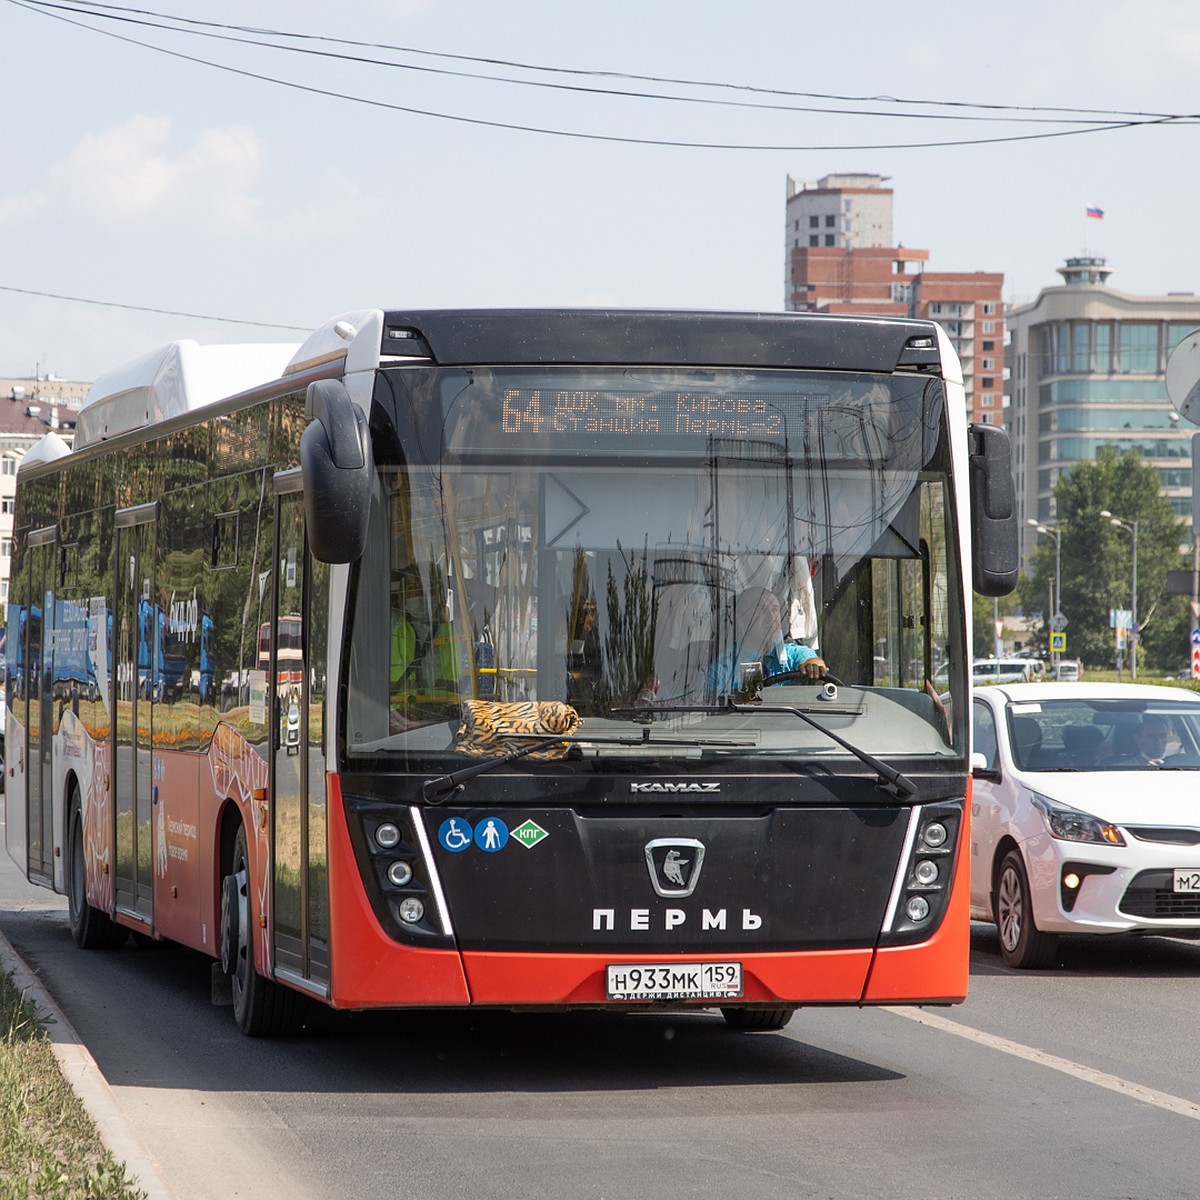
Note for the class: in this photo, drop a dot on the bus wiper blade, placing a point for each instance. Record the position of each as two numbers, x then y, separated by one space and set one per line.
890 779
453 783
446 785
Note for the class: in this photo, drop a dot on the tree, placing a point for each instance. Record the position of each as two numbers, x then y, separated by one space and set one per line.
1096 557
986 611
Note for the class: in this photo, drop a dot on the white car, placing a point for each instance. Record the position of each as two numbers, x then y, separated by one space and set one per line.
1003 670
1085 813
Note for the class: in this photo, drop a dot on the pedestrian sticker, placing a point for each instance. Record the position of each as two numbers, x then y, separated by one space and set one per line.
455 834
491 835
529 834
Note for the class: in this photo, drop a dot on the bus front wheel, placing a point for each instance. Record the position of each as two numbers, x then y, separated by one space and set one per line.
757 1019
261 1007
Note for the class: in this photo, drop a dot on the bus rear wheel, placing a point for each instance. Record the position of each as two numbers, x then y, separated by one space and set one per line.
261 1007
757 1019
91 928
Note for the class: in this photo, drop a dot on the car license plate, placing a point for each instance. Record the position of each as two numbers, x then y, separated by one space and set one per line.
1187 879
675 981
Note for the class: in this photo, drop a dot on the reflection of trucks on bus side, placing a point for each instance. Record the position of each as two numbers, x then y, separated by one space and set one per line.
158 673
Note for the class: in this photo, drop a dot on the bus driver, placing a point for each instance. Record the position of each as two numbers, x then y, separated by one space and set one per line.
758 636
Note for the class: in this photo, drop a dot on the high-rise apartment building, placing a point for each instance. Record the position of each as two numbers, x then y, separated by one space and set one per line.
1087 368
840 258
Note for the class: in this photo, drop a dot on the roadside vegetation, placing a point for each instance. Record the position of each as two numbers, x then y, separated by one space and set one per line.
49 1148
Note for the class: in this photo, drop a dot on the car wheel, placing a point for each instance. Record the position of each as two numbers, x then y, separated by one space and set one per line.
1022 944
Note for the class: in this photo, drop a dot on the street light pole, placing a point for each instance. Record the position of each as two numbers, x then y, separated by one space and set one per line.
1054 532
1130 527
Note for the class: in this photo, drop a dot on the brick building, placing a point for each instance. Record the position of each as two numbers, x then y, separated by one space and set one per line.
840 259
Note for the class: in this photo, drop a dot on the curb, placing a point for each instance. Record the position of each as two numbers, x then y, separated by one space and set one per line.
81 1072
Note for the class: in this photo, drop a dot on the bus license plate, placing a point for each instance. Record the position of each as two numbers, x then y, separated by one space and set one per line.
675 981
1187 879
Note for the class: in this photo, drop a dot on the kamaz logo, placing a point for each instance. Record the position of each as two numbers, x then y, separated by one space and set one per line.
640 788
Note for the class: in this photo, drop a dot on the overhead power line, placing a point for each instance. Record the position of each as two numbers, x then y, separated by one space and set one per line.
164 312
196 27
1075 122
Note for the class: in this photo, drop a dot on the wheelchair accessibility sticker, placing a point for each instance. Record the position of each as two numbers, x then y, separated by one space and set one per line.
455 834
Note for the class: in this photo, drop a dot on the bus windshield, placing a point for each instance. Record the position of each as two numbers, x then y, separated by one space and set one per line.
612 556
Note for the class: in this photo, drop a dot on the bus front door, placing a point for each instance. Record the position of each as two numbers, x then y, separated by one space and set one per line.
300 895
133 685
38 676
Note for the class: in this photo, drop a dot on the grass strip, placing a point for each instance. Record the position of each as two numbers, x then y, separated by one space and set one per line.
49 1147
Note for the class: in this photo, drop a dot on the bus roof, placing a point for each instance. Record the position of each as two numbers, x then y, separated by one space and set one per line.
818 341
172 380
184 376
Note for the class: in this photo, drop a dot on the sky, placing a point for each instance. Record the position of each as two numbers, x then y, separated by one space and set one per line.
483 159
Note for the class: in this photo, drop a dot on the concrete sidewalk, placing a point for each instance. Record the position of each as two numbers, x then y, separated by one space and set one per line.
81 1071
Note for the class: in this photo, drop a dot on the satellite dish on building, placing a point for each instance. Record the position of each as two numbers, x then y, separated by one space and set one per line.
1183 377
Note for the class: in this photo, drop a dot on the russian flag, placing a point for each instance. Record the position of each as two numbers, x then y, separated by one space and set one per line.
1094 211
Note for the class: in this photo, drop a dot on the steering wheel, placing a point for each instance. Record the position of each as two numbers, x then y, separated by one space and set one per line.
803 676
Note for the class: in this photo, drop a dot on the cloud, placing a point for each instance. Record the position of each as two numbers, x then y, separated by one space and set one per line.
128 176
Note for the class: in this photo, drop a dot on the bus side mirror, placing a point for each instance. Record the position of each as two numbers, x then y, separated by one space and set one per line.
335 458
994 556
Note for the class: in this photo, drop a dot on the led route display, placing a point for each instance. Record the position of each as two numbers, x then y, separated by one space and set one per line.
610 414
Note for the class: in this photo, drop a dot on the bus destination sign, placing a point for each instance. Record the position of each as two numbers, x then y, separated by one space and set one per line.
603 414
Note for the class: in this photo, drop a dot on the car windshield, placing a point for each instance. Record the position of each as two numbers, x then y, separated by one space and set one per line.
1080 734
551 555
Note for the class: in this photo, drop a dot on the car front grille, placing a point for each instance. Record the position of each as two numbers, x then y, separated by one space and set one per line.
1175 835
1150 895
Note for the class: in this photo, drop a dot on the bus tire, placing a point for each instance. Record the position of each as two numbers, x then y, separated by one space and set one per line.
1022 944
260 1006
757 1019
91 928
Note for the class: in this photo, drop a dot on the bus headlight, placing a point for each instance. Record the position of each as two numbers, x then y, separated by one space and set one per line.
387 835
411 910
926 872
400 873
934 834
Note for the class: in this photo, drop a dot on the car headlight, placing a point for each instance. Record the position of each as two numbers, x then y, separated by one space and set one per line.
1071 825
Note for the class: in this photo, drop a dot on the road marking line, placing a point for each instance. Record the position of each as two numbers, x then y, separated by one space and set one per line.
1114 1083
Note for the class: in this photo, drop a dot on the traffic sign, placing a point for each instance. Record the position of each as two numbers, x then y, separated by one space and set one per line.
1196 637
1183 377
1058 643
1059 622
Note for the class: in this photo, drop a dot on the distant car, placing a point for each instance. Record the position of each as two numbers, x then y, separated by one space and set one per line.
1067 671
1084 813
1002 670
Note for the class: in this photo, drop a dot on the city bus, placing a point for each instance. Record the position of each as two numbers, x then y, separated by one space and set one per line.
498 555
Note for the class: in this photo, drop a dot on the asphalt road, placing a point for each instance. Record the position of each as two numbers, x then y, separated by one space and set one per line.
1082 1081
